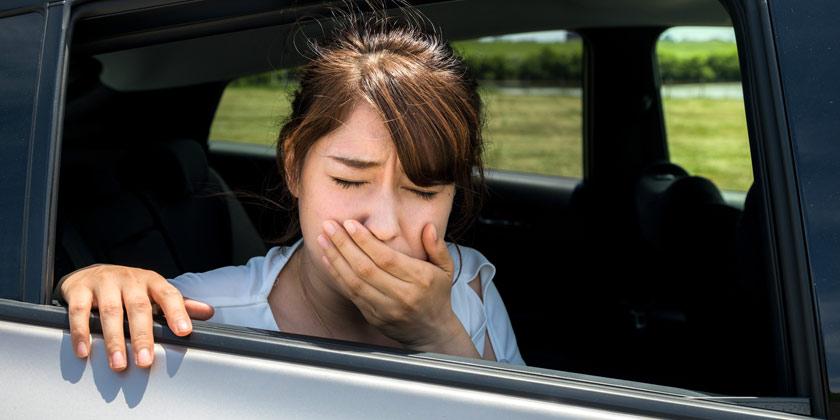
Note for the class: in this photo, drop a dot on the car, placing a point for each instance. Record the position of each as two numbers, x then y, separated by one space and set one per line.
636 288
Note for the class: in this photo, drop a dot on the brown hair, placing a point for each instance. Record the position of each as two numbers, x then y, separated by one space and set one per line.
423 91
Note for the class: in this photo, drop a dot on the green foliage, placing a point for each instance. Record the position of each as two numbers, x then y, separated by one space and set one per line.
561 63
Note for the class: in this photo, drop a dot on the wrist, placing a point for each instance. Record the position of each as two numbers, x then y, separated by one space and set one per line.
449 338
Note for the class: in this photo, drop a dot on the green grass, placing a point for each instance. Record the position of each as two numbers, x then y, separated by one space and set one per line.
539 134
521 49
512 50
251 114
696 49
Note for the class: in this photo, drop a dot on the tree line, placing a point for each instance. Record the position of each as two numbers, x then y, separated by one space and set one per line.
562 67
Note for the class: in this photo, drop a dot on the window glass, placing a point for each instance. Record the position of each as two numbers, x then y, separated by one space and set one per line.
20 42
253 108
531 87
704 105
530 84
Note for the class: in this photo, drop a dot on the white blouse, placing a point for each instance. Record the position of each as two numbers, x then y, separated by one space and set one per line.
240 296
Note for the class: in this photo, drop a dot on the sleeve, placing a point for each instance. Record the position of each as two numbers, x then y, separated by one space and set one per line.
226 286
499 328
483 316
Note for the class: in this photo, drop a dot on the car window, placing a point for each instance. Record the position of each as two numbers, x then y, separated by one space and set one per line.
252 108
20 40
668 298
530 84
531 87
704 105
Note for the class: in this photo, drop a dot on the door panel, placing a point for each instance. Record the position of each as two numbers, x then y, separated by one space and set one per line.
51 381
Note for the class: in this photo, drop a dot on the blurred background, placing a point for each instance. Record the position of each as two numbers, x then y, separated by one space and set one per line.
531 87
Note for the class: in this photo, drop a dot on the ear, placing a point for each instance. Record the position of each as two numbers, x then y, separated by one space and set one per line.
292 183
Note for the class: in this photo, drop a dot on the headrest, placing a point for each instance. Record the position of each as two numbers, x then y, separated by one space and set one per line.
177 168
669 205
652 184
691 207
691 192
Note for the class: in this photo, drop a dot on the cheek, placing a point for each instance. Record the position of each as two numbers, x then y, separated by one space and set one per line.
417 217
318 203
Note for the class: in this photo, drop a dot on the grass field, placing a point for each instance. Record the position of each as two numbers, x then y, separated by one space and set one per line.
521 49
538 133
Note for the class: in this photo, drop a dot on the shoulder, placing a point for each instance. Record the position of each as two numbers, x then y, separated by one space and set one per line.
235 285
469 265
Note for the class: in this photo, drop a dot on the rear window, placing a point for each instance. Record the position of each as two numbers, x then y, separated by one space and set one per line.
704 105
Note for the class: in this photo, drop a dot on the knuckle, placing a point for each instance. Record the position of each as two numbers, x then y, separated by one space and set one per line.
388 261
409 303
424 281
170 293
396 313
141 338
78 335
111 310
139 303
78 309
366 270
354 286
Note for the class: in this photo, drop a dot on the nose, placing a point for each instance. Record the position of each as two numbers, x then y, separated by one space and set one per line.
383 219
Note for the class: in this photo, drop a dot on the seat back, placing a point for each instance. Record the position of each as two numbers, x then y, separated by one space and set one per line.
158 207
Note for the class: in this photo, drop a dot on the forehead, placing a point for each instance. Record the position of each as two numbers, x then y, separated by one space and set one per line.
362 134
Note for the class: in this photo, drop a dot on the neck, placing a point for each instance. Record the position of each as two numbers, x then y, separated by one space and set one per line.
341 316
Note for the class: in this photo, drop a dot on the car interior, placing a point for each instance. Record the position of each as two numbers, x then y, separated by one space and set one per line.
639 271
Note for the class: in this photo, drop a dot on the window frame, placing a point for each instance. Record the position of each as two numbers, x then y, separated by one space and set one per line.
771 151
44 143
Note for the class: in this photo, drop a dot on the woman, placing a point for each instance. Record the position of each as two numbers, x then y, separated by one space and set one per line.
384 136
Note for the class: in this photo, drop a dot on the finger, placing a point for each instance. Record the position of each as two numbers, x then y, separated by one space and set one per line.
371 311
138 307
344 273
111 315
436 249
393 262
199 310
172 303
78 310
359 262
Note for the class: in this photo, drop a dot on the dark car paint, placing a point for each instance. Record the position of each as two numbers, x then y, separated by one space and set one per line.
808 42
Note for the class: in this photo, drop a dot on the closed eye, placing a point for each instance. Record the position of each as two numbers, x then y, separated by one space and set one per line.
425 195
343 183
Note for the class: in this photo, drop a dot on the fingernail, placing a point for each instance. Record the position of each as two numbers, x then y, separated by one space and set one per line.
350 226
323 242
117 360
330 228
434 234
144 357
81 349
183 326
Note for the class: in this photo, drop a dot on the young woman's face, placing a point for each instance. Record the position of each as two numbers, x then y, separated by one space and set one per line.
354 173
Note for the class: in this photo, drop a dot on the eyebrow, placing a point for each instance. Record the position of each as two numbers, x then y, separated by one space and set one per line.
355 163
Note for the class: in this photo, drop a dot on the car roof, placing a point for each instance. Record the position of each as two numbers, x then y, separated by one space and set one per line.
198 46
